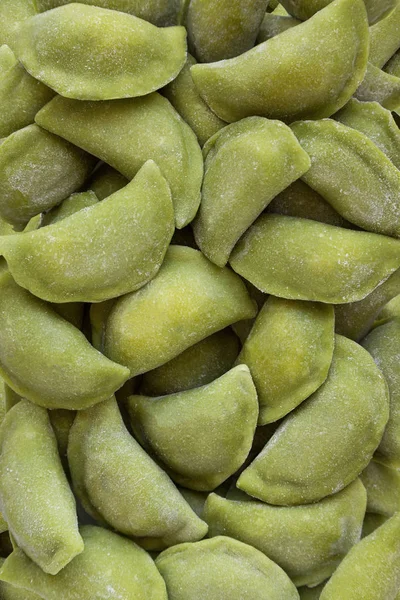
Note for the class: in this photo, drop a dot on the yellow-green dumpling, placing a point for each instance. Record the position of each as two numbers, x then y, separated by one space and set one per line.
246 165
288 351
306 72
103 251
301 259
101 55
371 570
35 497
325 443
109 567
55 367
127 133
307 541
189 299
120 485
221 569
202 436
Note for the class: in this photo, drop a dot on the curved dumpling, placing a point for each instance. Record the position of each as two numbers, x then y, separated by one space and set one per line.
308 541
301 259
55 367
383 343
376 122
101 55
222 569
101 252
303 73
158 12
35 497
198 365
21 96
118 483
246 165
328 440
127 133
223 28
385 38
184 97
202 436
352 174
188 300
288 351
354 320
371 570
109 567
37 171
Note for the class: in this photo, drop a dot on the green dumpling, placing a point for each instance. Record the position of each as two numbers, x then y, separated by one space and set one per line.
246 165
301 259
288 351
371 570
376 122
308 541
300 200
55 367
352 174
385 38
188 300
355 320
104 251
325 443
21 96
383 343
158 12
37 171
221 569
127 133
101 55
110 567
184 97
119 484
307 72
383 488
35 497
198 365
219 29
218 421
